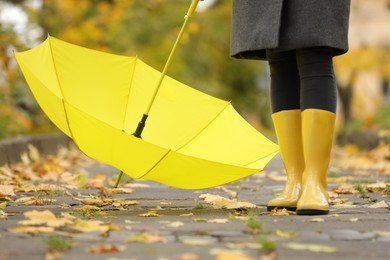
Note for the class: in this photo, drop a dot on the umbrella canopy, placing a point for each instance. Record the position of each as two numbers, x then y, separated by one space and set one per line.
192 140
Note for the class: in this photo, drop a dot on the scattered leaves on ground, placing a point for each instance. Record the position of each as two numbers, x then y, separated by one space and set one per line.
311 247
221 202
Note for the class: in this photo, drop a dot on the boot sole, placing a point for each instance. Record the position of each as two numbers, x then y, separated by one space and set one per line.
270 208
312 212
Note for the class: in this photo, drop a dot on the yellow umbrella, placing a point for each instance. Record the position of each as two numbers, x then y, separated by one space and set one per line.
191 140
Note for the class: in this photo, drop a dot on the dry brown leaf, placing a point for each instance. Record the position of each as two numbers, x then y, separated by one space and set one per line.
221 202
7 190
187 215
189 256
97 182
379 205
103 249
281 212
93 201
345 189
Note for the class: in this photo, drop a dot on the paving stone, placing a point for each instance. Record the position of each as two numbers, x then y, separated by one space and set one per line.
350 235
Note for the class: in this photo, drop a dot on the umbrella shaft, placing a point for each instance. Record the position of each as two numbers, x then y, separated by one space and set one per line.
168 62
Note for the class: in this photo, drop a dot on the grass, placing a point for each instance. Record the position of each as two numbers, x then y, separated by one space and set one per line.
57 243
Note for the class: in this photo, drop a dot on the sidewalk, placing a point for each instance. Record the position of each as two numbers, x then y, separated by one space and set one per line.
168 223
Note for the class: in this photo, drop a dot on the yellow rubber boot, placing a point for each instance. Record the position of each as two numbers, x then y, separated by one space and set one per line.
317 136
288 131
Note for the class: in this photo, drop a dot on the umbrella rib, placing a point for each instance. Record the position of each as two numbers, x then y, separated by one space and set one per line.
62 92
155 165
263 157
128 95
204 128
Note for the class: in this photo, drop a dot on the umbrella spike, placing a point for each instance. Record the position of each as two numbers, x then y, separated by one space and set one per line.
141 125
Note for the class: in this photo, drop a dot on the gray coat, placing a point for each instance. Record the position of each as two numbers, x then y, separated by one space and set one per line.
286 25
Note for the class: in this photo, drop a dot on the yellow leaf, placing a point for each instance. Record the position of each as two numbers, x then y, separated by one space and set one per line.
285 234
221 202
218 220
3 205
32 230
151 213
93 225
187 215
317 220
121 190
27 201
145 238
311 247
46 217
175 224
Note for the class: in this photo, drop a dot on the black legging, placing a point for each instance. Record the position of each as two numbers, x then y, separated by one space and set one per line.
302 79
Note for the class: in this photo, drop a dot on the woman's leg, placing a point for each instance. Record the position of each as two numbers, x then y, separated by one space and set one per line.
318 104
286 116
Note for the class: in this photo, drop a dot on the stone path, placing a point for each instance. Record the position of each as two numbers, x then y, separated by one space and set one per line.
187 227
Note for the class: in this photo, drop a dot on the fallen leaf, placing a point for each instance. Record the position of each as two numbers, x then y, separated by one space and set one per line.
218 220
97 182
137 185
93 225
145 238
31 230
345 189
345 205
6 190
103 249
281 212
28 201
376 187
317 220
175 224
3 205
311 247
379 205
121 190
197 241
187 215
151 213
199 219
46 217
92 201
221 202
285 234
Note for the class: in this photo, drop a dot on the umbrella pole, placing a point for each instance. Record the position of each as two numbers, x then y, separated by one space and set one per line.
118 179
142 123
187 17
